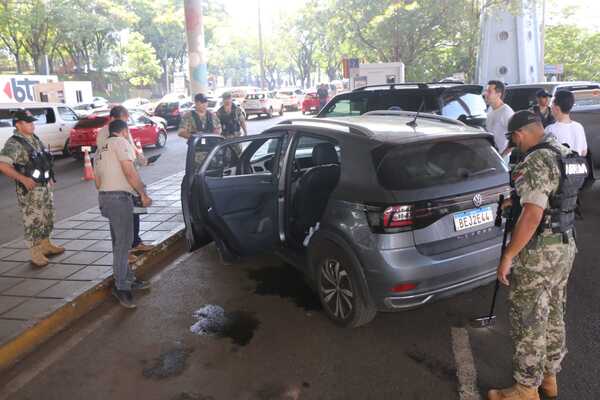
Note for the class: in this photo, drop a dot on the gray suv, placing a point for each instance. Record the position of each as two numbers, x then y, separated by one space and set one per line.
381 212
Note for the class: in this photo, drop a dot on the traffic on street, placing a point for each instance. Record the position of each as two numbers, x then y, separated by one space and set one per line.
302 200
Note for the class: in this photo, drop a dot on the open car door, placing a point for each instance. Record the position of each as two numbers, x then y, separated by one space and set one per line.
199 147
238 185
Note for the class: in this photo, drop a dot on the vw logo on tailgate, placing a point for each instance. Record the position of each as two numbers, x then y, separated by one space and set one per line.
477 200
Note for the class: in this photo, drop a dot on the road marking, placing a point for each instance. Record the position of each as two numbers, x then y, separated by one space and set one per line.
465 365
25 377
22 379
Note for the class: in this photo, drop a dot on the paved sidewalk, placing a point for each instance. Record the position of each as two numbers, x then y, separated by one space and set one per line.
29 294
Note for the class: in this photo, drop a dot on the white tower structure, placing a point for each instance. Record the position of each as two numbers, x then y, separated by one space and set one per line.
511 44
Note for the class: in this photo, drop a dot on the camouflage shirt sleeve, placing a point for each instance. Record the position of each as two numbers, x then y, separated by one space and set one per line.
216 123
537 177
13 153
186 126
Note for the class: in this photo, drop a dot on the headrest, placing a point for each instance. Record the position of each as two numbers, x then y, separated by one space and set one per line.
324 153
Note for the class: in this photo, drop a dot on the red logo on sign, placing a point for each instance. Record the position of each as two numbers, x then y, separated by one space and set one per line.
8 90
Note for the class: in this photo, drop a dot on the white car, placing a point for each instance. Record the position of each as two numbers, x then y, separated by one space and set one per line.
53 125
291 98
85 109
262 103
138 103
138 113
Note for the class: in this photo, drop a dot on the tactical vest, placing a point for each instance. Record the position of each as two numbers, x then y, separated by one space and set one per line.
200 128
559 217
40 165
229 122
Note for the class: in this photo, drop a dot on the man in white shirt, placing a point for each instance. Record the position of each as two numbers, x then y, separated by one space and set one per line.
498 116
117 182
565 130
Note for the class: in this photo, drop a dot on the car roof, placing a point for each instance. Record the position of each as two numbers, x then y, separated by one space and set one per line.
412 85
552 84
392 126
36 104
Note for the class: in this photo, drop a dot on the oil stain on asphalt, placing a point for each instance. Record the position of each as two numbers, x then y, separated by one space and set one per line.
168 364
239 326
285 282
435 366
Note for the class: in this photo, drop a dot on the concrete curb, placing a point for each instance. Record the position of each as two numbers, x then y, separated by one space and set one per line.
26 341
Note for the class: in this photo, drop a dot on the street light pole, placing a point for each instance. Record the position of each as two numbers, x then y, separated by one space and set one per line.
194 29
261 54
542 74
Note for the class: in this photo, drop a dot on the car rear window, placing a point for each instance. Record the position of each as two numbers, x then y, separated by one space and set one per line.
285 93
166 107
398 100
426 165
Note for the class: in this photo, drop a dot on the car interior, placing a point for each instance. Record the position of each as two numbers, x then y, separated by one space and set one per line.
315 174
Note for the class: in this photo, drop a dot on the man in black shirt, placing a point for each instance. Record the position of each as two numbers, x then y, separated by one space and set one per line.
542 109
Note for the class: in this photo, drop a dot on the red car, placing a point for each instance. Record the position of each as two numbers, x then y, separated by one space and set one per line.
141 128
310 104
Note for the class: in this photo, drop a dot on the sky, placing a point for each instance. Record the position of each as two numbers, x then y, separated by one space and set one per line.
244 12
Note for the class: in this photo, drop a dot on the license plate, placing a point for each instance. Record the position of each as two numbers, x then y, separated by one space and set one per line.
473 218
252 104
313 108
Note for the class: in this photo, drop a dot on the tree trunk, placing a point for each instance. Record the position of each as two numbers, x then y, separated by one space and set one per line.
17 56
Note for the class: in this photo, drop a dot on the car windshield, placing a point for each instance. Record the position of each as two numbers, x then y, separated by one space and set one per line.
465 103
430 164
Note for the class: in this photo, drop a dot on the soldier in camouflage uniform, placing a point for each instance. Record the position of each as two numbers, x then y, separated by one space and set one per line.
34 199
231 118
199 120
541 263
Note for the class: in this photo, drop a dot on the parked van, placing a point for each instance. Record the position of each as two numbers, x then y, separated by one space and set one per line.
54 122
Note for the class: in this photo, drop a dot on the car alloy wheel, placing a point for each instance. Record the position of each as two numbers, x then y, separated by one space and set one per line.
336 289
161 139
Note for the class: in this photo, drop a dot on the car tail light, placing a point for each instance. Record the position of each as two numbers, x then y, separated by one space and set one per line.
404 287
263 100
398 216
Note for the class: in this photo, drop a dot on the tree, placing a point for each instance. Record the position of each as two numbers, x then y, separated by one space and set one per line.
11 28
141 66
576 48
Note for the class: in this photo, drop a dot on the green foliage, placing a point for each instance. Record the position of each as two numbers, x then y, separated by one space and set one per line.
141 66
576 48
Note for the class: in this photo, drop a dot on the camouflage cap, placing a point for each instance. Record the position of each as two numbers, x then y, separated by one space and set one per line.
23 115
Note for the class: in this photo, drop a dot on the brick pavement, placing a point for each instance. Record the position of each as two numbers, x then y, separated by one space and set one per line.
28 294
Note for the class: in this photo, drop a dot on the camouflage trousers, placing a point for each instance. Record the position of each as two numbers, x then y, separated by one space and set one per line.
37 210
537 307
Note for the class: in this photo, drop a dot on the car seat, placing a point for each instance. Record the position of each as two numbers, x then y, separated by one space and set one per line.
314 189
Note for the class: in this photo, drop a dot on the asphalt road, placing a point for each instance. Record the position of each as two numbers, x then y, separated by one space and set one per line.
270 340
72 195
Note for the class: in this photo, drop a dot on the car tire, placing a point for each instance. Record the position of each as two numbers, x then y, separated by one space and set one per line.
338 283
66 150
161 139
281 111
270 113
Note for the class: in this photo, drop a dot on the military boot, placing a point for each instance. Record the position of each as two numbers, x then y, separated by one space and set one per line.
549 386
37 256
50 249
516 392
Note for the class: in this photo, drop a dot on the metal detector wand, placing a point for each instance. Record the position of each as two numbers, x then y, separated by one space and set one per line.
490 319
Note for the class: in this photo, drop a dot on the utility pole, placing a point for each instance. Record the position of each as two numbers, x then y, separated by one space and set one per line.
194 29
542 75
261 54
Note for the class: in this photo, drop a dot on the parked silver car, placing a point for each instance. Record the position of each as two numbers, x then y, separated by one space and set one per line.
379 213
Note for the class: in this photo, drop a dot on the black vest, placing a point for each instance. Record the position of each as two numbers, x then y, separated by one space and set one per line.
200 128
40 165
229 123
574 170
